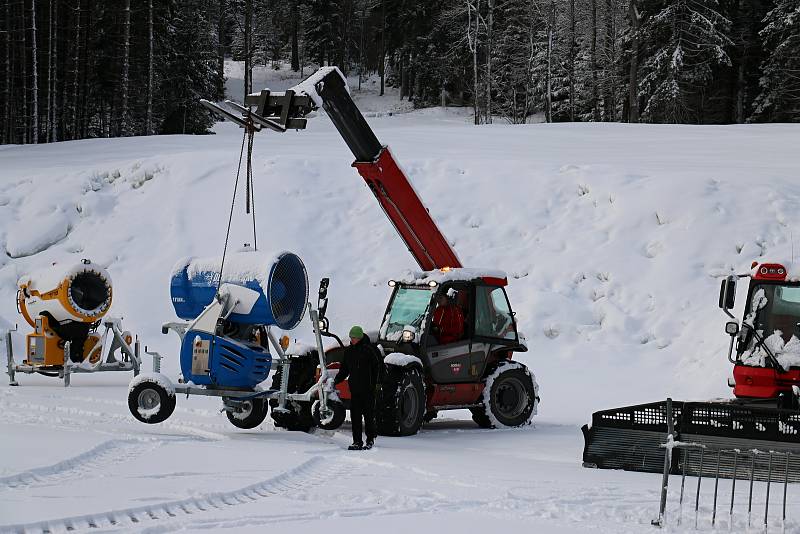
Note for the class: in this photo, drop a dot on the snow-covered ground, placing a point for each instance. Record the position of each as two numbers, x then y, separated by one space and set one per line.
614 237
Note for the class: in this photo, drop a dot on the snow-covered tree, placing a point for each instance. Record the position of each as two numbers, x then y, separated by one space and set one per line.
780 84
686 40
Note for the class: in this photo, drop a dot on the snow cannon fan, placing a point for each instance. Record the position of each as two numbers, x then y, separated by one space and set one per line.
225 343
64 303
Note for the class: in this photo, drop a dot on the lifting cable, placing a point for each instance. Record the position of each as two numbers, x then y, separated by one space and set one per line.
249 133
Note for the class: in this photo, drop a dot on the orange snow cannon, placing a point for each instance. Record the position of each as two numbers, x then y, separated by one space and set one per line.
65 304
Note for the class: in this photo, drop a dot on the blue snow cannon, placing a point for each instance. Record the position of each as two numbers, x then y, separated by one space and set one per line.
225 344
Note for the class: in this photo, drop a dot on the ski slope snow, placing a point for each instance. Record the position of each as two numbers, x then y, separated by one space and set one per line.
614 237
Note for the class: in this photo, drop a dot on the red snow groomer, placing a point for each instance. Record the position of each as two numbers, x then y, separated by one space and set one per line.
448 333
765 413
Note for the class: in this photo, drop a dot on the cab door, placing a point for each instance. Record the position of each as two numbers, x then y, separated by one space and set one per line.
495 326
450 362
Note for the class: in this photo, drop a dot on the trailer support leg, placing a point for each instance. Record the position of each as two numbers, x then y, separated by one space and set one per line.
667 467
66 371
10 357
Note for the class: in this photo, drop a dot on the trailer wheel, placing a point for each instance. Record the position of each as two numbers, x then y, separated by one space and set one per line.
335 420
509 398
150 402
296 418
401 411
247 414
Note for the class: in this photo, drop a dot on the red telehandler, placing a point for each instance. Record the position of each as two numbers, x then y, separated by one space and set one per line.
427 370
765 413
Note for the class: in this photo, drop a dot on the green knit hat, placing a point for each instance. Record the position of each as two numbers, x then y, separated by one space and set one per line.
356 332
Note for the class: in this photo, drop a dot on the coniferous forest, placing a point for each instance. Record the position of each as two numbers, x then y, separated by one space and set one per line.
73 69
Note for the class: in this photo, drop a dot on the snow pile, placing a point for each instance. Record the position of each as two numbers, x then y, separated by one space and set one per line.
27 239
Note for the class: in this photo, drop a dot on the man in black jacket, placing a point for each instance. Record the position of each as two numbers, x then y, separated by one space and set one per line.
362 366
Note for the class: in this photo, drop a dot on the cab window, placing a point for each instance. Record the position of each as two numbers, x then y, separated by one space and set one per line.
493 316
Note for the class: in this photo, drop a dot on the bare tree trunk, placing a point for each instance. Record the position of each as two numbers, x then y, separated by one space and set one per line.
83 110
472 40
740 83
248 28
148 123
593 58
489 28
49 69
573 46
361 46
7 130
403 76
220 48
382 61
549 98
23 53
35 60
76 65
54 96
609 86
633 82
295 38
126 53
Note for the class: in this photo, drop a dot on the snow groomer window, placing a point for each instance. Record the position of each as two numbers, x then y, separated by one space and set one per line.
493 315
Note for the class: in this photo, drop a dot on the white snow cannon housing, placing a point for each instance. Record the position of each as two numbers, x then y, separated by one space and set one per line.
225 344
63 303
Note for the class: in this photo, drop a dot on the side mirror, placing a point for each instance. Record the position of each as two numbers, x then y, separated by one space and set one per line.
732 328
727 293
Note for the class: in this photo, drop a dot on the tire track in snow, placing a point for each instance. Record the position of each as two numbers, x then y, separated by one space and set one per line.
307 474
103 454
192 428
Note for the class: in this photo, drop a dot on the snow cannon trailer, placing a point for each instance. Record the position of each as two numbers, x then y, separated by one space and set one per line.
765 413
65 305
469 366
226 336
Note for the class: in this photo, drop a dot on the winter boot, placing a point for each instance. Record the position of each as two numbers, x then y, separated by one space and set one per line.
370 443
355 447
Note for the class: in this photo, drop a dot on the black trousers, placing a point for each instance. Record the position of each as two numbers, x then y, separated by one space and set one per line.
363 405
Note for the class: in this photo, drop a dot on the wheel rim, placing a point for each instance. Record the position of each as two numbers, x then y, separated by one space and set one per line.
510 398
149 399
409 407
246 410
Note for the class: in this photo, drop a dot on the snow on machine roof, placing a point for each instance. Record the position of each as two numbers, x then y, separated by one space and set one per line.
440 276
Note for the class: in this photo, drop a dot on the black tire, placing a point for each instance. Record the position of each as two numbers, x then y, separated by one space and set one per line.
296 418
150 403
339 413
401 410
248 414
480 417
511 399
